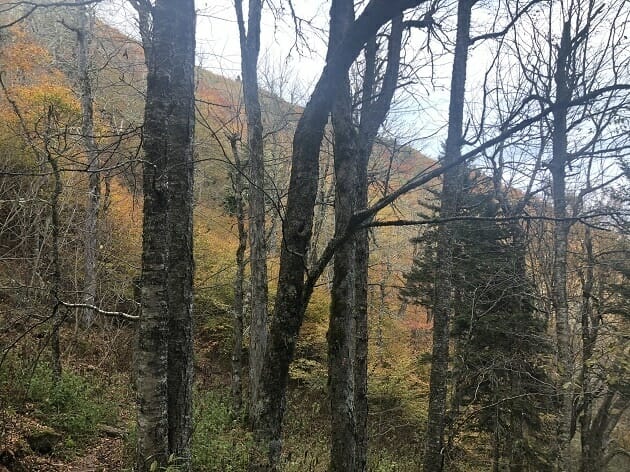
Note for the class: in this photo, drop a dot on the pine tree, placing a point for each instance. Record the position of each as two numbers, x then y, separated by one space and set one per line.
497 379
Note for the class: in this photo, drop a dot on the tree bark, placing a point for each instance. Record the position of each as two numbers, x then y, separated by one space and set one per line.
84 34
181 128
341 330
589 337
164 357
373 114
451 189
55 227
291 297
250 48
151 356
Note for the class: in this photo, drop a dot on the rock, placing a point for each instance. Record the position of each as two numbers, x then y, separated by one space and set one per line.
43 441
111 431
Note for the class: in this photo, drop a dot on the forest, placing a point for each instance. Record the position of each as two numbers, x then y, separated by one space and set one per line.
383 235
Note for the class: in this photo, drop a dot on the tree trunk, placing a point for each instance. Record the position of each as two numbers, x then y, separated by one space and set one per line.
373 113
292 295
496 441
341 330
151 357
451 188
164 358
181 127
596 425
239 282
250 48
560 241
84 34
589 337
324 196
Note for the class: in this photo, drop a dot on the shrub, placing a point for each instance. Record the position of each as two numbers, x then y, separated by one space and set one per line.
219 442
74 404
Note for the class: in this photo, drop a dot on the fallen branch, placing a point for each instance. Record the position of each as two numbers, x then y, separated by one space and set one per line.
120 314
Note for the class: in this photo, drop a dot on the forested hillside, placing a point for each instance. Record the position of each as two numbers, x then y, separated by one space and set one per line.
197 274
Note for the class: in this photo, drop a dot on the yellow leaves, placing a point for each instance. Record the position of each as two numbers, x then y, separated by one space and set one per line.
35 102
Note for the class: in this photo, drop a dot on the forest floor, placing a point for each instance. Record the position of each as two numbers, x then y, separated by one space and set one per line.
30 445
88 417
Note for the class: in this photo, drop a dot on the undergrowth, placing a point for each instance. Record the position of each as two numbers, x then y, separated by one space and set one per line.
220 442
74 405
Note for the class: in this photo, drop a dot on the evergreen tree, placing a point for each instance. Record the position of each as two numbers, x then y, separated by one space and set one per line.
497 378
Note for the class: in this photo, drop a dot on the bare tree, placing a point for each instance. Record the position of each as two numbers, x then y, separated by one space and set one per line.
239 281
579 71
84 32
293 291
250 48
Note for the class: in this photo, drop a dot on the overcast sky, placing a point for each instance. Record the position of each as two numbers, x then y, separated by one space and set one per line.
420 120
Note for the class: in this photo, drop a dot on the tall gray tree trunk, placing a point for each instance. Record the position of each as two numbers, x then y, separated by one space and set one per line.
84 32
181 128
589 338
451 189
373 114
341 330
561 229
164 354
250 48
293 287
325 194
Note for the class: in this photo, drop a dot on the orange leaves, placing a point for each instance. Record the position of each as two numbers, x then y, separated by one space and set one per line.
37 88
25 62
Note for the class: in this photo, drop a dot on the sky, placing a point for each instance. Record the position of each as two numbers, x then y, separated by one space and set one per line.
418 118
420 114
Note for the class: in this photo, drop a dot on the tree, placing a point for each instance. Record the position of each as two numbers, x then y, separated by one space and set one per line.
293 288
239 285
84 31
604 367
164 358
52 115
348 329
449 204
581 74
498 382
250 48
342 328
